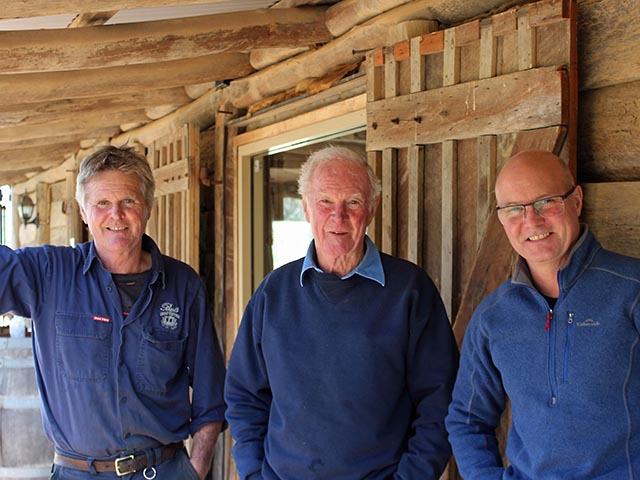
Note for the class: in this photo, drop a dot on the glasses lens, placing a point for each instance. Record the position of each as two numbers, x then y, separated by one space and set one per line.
510 214
549 207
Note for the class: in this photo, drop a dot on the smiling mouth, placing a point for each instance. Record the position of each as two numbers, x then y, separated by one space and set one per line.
542 236
116 229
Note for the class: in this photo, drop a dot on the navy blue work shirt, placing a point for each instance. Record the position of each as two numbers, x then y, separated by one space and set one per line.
110 382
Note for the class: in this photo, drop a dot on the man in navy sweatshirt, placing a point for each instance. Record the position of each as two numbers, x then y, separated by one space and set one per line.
345 360
560 339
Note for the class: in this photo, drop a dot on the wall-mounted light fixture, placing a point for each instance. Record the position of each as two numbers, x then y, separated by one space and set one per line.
26 207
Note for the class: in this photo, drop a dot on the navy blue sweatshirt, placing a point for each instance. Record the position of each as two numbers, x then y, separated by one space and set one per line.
342 379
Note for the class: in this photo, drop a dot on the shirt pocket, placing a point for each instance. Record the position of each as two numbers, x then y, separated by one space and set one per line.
160 361
83 347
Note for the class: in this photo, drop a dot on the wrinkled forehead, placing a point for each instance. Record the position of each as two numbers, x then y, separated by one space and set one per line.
341 173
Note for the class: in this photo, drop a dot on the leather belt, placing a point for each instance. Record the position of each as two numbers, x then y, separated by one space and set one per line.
123 465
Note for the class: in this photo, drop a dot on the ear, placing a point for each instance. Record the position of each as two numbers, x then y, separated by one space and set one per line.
374 209
83 214
305 209
577 198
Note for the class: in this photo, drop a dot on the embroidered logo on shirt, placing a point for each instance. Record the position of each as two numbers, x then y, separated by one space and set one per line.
98 318
589 322
169 316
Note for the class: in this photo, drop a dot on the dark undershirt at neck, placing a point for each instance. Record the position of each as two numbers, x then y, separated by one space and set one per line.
130 287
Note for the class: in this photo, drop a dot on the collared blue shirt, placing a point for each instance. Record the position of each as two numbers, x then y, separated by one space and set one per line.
111 382
369 267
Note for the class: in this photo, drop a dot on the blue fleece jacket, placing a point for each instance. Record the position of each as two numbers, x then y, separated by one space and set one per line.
572 374
342 378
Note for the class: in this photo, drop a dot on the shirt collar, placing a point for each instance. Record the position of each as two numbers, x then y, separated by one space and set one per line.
369 267
157 262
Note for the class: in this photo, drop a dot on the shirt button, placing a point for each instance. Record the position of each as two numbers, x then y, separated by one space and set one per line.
109 289
123 399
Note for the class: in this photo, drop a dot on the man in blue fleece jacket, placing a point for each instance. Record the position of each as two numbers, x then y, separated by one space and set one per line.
345 360
560 339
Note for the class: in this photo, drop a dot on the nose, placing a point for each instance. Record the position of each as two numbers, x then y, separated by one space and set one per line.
534 216
116 210
340 210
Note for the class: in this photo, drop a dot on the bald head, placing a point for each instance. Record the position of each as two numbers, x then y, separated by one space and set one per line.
529 166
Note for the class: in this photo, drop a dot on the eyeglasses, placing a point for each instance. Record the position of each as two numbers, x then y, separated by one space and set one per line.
545 207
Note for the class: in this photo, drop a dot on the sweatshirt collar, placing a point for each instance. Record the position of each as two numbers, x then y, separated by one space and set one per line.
579 259
369 267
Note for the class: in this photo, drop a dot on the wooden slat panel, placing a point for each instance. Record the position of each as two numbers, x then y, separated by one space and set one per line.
519 101
175 164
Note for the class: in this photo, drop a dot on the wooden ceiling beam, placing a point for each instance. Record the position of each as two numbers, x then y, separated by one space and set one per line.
47 50
27 112
92 19
35 157
42 87
58 138
76 124
35 8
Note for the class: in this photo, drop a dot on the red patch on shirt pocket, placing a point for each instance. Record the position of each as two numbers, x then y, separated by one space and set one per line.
98 318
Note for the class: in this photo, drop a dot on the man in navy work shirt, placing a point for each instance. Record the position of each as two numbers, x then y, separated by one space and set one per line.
345 360
120 332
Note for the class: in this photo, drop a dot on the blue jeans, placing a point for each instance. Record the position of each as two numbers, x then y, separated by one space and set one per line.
178 468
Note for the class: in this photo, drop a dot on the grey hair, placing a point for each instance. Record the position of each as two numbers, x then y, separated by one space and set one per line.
319 157
123 159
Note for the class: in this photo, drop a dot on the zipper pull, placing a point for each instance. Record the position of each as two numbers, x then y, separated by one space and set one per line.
549 317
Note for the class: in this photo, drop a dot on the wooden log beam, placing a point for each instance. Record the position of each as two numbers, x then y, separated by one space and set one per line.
342 16
347 49
519 101
265 57
35 8
51 141
92 19
77 124
33 158
244 92
41 87
159 41
25 113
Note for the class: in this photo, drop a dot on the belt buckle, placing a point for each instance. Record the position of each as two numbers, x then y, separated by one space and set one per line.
123 459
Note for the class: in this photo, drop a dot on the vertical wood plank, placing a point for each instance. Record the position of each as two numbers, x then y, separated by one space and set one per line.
488 55
418 73
374 231
390 73
389 182
449 161
415 203
526 41
487 158
451 65
43 209
73 218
